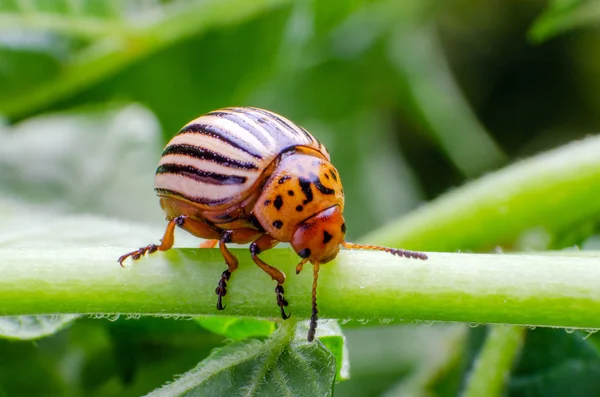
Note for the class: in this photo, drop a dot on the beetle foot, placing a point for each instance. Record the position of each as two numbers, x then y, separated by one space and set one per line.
221 290
137 254
281 302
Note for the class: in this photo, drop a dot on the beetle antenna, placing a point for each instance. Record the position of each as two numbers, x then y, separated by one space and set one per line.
393 251
300 265
313 318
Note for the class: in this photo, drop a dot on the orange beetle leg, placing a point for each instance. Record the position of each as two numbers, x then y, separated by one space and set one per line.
300 265
393 251
166 244
264 243
208 243
238 236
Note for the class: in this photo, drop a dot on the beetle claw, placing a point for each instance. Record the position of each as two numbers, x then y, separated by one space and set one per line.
284 315
221 289
281 301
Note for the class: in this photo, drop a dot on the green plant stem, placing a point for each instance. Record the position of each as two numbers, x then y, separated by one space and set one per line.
492 366
513 289
532 200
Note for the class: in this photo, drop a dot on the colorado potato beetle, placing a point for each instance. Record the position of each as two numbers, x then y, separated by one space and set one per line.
247 175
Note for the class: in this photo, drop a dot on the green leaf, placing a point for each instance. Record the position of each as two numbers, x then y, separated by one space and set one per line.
555 363
331 335
107 169
114 37
281 365
33 327
27 225
562 16
236 328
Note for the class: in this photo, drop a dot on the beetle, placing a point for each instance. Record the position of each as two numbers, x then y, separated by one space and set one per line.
250 176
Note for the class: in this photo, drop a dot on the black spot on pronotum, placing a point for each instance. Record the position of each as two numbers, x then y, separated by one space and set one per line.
278 202
319 185
283 179
305 253
326 176
290 192
277 224
267 202
333 175
299 208
326 237
344 228
305 186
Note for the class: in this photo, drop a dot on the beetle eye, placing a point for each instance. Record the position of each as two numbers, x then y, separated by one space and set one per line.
305 253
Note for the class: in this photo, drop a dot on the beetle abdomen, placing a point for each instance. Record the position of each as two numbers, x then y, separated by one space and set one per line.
217 159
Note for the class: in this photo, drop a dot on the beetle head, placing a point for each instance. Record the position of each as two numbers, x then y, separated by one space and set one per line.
318 238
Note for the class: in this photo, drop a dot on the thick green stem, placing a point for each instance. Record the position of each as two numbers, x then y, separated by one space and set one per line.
530 202
492 367
514 289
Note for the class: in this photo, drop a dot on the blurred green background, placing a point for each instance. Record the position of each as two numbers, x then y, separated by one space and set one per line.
412 98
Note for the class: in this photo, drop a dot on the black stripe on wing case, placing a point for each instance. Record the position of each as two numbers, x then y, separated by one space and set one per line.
234 117
199 200
201 153
211 178
223 135
285 124
308 136
271 125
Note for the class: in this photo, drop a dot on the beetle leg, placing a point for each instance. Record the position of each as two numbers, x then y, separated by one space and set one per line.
262 244
314 316
196 227
393 251
237 236
209 243
166 243
300 265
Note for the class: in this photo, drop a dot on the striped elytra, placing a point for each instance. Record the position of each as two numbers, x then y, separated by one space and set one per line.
249 176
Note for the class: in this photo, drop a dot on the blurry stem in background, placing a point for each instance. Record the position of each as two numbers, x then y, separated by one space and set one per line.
418 57
535 199
429 372
108 55
492 366
536 290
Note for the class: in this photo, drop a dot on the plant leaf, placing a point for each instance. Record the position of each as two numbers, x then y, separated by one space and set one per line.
236 328
33 327
281 365
331 335
116 37
556 363
562 16
107 169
